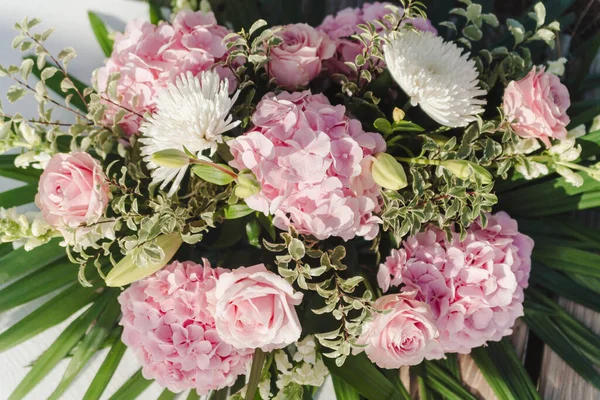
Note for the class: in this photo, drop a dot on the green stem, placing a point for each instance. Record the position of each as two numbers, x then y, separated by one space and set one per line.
422 161
214 165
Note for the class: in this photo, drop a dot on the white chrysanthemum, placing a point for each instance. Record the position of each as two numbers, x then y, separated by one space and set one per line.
436 76
193 113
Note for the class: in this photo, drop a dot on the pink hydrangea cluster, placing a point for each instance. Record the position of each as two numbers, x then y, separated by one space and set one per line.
168 321
148 57
313 165
341 26
474 287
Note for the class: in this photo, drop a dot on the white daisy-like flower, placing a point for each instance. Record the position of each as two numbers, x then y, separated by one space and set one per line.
436 76
192 114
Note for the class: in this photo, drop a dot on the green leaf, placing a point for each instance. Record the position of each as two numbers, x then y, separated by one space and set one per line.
59 349
383 126
360 373
342 390
440 380
155 12
36 285
54 84
406 126
132 388
550 197
18 196
106 371
233 211
9 170
568 259
255 373
219 174
167 395
561 285
51 313
546 330
504 372
20 262
590 144
101 33
92 341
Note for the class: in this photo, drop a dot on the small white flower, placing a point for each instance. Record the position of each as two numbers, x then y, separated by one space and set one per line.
557 67
534 171
193 113
436 76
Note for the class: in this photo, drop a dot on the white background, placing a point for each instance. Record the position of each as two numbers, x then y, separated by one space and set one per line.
69 17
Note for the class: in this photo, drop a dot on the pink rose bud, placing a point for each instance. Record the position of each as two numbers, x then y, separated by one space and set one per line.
73 191
537 106
255 309
404 335
297 60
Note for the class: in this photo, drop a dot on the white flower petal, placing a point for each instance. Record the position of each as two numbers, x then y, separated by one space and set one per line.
436 76
193 113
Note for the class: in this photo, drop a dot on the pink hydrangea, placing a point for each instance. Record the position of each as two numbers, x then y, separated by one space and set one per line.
341 26
148 57
537 106
403 333
313 164
168 321
474 287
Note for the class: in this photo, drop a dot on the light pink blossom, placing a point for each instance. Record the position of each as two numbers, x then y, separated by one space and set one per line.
73 191
402 333
297 60
168 322
313 164
474 287
537 106
255 309
149 57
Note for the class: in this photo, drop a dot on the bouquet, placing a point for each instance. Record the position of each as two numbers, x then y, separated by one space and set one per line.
250 207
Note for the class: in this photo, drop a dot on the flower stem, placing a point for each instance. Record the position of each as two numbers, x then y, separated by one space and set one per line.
422 161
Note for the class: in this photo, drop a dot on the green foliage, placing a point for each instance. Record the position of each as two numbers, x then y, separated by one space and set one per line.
131 389
101 33
360 374
504 371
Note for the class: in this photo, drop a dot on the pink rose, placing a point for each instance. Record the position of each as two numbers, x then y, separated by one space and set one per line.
168 323
297 60
73 191
404 335
255 309
537 106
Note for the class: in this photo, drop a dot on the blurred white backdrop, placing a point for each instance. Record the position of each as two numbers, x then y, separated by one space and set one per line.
69 18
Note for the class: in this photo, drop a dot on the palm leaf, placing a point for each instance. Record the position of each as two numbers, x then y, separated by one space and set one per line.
33 286
359 373
342 390
9 170
106 371
52 313
504 372
59 349
101 33
18 196
91 343
21 262
132 388
442 381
